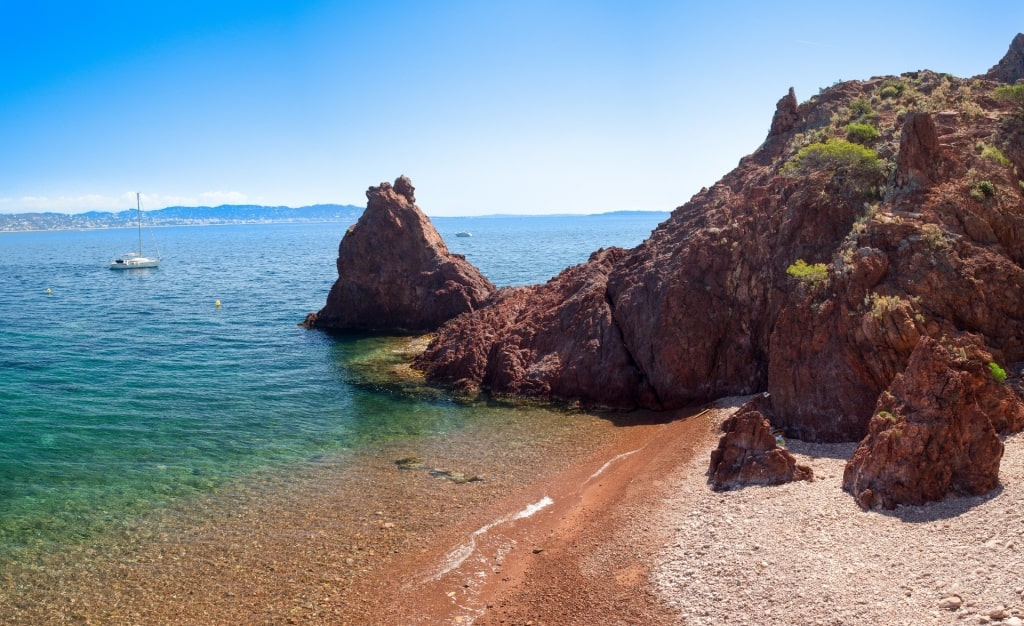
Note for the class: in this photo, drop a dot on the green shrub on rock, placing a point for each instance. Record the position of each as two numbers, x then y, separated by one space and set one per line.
861 133
806 273
852 164
998 373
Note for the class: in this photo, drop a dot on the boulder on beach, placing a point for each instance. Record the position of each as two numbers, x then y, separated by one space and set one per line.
748 452
934 432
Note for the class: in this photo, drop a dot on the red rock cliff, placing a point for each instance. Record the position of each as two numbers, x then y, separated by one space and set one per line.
901 196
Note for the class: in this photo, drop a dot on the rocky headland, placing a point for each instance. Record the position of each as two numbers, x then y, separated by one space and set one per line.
880 219
875 215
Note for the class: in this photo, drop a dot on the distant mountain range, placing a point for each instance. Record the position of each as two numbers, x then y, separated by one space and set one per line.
180 215
204 215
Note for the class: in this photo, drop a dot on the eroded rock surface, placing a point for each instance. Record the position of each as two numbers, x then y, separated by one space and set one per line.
395 273
748 454
707 307
1010 68
556 340
934 429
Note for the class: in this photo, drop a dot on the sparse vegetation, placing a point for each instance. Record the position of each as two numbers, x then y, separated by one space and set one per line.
992 153
880 305
998 373
983 189
887 416
933 236
1011 93
892 89
861 109
863 134
806 273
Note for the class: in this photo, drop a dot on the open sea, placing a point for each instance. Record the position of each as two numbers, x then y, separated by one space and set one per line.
125 392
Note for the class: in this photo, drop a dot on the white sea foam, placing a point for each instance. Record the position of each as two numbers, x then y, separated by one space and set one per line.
459 555
609 463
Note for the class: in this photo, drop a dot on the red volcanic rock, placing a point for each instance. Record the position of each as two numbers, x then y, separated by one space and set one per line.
748 454
706 306
1010 68
787 114
395 272
556 341
919 155
932 433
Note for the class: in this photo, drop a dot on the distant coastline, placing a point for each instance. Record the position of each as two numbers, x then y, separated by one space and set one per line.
225 215
179 216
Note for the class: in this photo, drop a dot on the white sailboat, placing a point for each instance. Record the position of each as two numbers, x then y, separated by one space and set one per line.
135 260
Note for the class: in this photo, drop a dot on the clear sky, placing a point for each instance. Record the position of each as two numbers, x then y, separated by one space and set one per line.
488 106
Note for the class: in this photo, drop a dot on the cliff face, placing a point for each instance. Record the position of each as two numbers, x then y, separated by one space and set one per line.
874 214
395 273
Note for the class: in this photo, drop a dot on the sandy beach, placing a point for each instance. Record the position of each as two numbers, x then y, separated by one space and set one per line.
612 524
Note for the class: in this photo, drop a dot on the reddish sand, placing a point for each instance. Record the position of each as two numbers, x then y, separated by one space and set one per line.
583 558
559 536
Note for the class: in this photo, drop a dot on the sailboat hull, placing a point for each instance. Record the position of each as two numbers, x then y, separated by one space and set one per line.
135 262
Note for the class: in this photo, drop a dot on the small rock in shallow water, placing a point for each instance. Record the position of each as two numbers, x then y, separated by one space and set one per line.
409 462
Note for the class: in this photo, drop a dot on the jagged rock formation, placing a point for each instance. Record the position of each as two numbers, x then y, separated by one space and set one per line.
748 454
395 273
927 241
934 431
1011 68
555 340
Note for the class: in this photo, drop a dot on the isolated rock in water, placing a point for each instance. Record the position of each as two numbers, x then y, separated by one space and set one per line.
748 454
395 273
930 435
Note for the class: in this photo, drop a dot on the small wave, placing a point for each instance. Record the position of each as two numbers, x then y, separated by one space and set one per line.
459 555
609 463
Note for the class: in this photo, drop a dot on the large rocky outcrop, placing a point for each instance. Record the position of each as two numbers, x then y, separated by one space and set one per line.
710 306
934 431
748 453
554 340
395 273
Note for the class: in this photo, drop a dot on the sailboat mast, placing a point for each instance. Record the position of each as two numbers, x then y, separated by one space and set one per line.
138 207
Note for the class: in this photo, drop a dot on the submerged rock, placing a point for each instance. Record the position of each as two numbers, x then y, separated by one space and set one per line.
395 273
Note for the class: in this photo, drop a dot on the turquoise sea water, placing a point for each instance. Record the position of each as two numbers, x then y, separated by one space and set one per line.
125 391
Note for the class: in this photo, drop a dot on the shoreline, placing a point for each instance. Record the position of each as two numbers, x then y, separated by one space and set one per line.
325 544
620 529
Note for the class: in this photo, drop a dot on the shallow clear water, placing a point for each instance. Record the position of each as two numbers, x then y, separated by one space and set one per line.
125 391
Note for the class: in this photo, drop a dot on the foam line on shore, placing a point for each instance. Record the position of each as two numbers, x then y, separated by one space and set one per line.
459 555
615 458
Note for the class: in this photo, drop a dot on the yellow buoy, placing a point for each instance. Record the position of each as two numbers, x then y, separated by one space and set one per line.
48 291
217 304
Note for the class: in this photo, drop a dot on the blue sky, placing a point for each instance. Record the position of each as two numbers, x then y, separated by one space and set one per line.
488 106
